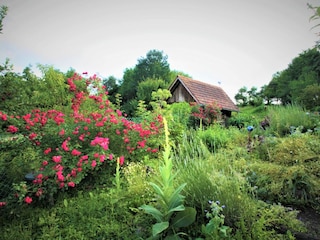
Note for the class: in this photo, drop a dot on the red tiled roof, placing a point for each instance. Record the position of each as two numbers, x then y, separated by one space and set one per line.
204 93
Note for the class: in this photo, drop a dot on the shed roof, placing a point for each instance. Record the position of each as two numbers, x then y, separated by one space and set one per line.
204 93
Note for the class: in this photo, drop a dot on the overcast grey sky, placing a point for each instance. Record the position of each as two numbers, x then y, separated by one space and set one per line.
236 43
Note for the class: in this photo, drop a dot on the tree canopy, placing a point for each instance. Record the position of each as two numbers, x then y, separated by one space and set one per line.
149 74
297 84
290 84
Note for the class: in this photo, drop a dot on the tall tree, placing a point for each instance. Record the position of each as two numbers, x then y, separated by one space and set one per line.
112 87
253 95
153 66
242 96
128 88
303 71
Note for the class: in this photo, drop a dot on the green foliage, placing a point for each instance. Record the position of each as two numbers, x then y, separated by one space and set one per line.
64 149
159 98
248 116
279 169
310 97
18 158
21 94
219 176
250 97
215 137
181 113
88 215
178 116
12 93
287 119
290 173
112 87
215 228
136 178
148 86
52 90
242 96
289 85
170 212
128 87
3 13
315 16
153 66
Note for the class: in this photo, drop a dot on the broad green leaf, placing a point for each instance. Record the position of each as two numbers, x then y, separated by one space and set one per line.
159 228
184 218
153 211
177 209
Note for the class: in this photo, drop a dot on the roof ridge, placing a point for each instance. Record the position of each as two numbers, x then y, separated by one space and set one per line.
200 82
204 93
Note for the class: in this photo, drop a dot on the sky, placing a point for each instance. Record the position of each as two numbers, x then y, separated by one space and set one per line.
229 43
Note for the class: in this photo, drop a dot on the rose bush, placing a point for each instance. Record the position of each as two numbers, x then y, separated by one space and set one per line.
87 136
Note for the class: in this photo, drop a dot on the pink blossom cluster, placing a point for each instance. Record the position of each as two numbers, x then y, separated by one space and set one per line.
99 134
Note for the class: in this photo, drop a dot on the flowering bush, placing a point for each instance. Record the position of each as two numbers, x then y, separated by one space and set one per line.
206 114
82 139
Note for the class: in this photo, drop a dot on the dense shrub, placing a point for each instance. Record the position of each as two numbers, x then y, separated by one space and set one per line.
66 148
290 171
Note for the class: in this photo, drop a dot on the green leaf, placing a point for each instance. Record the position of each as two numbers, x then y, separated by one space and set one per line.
157 189
223 230
176 199
65 202
173 237
184 218
91 194
153 211
177 209
159 228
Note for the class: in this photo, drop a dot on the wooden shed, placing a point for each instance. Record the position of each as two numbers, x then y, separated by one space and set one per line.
185 89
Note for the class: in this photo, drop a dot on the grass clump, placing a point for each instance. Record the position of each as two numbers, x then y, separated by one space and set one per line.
288 119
